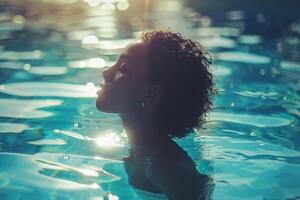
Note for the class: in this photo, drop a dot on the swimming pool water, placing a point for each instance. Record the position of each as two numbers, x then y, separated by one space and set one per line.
54 144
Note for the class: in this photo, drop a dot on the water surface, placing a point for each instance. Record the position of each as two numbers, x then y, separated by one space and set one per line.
55 144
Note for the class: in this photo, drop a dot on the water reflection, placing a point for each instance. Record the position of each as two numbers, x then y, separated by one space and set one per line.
251 119
113 44
220 70
24 55
290 66
216 31
28 109
214 42
243 57
72 134
11 65
248 171
90 39
6 127
260 94
49 89
43 142
88 63
10 26
66 176
48 70
167 175
250 39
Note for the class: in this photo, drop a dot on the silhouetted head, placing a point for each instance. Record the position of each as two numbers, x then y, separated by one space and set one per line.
163 75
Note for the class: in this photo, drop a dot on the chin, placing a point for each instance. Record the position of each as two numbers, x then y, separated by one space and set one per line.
100 105
103 106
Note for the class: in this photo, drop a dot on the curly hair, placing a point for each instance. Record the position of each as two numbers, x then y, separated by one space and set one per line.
181 67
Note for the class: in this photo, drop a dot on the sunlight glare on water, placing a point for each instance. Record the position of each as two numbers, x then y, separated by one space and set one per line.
109 140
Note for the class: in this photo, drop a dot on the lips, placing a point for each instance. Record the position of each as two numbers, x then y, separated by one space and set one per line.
103 86
99 92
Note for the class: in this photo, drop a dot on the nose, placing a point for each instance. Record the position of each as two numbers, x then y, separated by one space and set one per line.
108 75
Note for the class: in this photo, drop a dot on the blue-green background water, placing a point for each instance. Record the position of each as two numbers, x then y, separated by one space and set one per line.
54 143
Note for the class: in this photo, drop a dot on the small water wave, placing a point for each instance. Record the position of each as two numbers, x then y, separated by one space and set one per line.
109 47
242 57
252 119
250 39
290 66
6 127
27 109
21 55
256 167
260 94
49 175
242 148
88 63
49 89
224 31
220 70
43 142
48 70
217 42
11 65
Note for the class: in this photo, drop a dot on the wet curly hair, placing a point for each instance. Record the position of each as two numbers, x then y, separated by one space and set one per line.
181 67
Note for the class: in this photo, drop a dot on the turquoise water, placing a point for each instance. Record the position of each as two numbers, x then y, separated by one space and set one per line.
54 144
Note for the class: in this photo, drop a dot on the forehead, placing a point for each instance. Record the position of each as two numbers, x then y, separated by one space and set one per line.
136 51
136 47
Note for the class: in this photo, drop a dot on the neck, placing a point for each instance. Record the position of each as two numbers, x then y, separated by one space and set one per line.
143 134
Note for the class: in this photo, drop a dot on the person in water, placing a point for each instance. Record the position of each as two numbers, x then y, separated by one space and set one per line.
162 88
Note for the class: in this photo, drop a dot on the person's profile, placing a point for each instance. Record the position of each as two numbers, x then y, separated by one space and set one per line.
162 87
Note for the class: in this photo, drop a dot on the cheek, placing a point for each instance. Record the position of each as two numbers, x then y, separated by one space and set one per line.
127 94
122 96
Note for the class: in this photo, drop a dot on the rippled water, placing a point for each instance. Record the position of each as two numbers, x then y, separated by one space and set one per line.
55 144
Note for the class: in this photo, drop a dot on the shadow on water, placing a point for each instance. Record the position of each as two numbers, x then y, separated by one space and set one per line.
168 175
